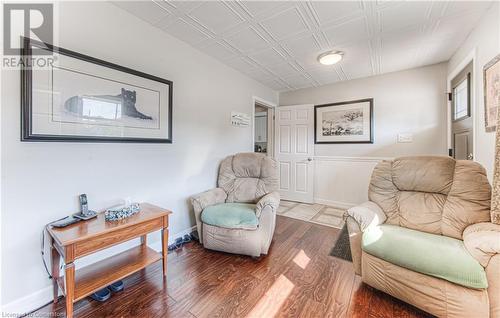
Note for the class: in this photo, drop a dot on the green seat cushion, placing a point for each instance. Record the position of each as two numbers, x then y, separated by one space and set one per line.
434 255
231 215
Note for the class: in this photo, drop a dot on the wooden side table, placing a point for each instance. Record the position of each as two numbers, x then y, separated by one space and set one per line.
87 237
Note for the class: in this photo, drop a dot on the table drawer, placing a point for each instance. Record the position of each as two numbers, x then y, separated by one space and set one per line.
119 236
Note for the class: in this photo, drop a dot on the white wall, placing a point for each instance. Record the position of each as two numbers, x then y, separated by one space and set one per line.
411 101
485 41
41 181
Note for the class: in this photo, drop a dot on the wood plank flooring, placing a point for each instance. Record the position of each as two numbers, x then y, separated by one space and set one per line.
296 279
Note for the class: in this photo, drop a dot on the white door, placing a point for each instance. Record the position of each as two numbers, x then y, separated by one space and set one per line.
294 151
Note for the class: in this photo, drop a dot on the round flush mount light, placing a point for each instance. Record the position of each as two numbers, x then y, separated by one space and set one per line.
330 57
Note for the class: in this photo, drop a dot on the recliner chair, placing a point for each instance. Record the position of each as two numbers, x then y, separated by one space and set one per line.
239 216
426 238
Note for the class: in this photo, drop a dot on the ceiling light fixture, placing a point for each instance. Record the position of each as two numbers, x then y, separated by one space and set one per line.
330 57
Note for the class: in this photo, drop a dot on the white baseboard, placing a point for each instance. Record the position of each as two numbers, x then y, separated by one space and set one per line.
43 296
171 238
27 303
336 204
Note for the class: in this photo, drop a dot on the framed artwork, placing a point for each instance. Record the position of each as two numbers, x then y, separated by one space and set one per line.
346 122
491 78
82 98
495 193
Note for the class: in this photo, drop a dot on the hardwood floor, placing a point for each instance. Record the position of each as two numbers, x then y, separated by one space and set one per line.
297 279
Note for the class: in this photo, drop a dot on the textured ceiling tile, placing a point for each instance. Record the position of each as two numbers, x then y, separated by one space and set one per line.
219 51
247 40
216 16
400 39
404 14
256 8
284 69
285 23
298 81
330 11
456 25
184 6
458 7
302 46
148 11
351 31
357 61
268 57
400 59
184 31
278 42
243 64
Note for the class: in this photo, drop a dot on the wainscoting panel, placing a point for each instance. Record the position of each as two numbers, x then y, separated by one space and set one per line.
342 181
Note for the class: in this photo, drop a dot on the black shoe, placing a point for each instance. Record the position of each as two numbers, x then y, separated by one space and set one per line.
178 242
186 239
116 286
101 295
194 236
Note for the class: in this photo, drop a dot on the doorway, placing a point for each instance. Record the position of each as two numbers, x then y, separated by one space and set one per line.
263 128
295 152
460 97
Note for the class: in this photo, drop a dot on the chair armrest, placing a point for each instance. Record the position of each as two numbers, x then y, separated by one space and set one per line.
482 240
202 200
211 197
271 199
367 214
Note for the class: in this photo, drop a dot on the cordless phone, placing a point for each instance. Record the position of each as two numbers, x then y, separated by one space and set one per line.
85 213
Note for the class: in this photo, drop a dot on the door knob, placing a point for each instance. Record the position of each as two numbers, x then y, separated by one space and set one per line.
470 156
309 159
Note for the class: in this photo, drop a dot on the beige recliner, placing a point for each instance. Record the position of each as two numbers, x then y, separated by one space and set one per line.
239 216
425 236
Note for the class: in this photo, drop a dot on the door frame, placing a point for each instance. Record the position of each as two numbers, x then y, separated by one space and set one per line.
471 57
266 103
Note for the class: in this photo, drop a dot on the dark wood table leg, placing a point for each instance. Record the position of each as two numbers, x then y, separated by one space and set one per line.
164 249
55 259
69 275
144 239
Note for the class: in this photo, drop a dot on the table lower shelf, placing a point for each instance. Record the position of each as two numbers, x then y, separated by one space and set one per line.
103 273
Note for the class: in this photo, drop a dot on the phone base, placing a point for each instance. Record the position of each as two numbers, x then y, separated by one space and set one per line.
88 216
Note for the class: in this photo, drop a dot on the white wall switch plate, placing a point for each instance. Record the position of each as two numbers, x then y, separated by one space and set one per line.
405 138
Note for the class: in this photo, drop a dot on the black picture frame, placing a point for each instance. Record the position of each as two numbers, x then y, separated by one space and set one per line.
316 107
27 93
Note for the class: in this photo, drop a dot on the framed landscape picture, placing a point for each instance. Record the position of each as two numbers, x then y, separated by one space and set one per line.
81 98
491 93
346 122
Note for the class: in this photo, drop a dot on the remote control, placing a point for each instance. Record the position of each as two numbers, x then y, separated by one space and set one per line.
65 222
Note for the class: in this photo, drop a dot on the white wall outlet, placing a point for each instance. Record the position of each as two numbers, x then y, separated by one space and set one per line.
405 138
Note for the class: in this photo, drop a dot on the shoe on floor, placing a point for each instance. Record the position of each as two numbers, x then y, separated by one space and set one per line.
186 239
116 286
101 295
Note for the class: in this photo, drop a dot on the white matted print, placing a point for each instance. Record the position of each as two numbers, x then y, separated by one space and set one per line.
240 119
345 122
80 98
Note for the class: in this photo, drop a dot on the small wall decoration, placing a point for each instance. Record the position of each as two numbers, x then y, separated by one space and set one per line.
345 122
81 98
491 93
240 119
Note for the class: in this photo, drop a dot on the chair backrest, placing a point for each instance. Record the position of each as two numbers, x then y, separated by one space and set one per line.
433 194
246 177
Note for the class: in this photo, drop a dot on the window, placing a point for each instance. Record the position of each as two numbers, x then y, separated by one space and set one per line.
461 99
